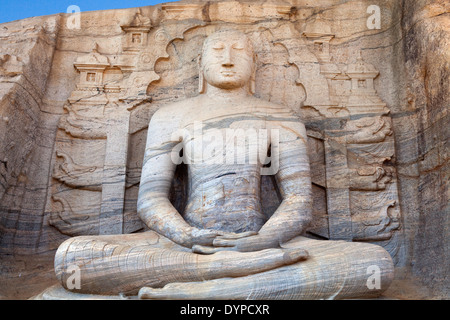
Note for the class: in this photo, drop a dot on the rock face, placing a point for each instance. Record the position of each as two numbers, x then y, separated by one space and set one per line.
75 104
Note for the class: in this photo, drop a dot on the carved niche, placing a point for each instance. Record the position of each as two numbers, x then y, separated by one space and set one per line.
101 140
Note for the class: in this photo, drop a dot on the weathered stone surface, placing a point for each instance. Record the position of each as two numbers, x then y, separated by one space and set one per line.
75 106
228 140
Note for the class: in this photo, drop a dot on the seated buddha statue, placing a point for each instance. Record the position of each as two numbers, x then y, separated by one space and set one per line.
222 246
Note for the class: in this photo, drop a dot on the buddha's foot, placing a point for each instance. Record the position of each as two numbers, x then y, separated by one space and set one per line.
241 265
181 291
237 264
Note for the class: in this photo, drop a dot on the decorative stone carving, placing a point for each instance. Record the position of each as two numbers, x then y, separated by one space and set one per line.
10 65
82 126
363 94
369 178
72 218
136 32
370 225
77 176
95 113
369 130
66 217
320 34
359 152
223 223
91 68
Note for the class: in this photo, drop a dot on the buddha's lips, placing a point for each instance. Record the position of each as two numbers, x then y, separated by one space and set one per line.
228 73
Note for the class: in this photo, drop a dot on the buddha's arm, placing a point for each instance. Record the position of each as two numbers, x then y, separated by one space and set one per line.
154 207
294 182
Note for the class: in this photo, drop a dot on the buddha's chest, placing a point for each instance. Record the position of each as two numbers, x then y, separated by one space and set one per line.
237 139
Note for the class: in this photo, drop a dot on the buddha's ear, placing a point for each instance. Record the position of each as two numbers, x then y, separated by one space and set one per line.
201 78
252 84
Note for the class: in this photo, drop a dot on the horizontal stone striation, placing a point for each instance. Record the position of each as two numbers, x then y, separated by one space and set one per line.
411 52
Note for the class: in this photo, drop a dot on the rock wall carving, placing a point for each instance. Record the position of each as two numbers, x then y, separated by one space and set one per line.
361 148
414 165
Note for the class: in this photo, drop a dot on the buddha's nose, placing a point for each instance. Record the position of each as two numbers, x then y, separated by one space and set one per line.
227 59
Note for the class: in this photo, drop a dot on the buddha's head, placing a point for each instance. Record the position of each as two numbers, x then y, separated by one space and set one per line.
227 61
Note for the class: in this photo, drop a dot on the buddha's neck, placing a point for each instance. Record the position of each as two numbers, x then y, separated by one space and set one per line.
226 94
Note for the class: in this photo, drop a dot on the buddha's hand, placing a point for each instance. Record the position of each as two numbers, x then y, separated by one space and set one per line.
202 237
245 242
206 237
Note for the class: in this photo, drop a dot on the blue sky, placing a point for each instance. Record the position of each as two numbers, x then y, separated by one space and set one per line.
11 10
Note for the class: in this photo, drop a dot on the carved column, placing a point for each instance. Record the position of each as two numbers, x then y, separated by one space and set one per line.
114 173
95 117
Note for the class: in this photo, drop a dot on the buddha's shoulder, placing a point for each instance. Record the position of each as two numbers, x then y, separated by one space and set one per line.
272 109
176 109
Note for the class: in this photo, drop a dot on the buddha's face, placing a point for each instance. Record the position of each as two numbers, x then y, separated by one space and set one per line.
227 60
